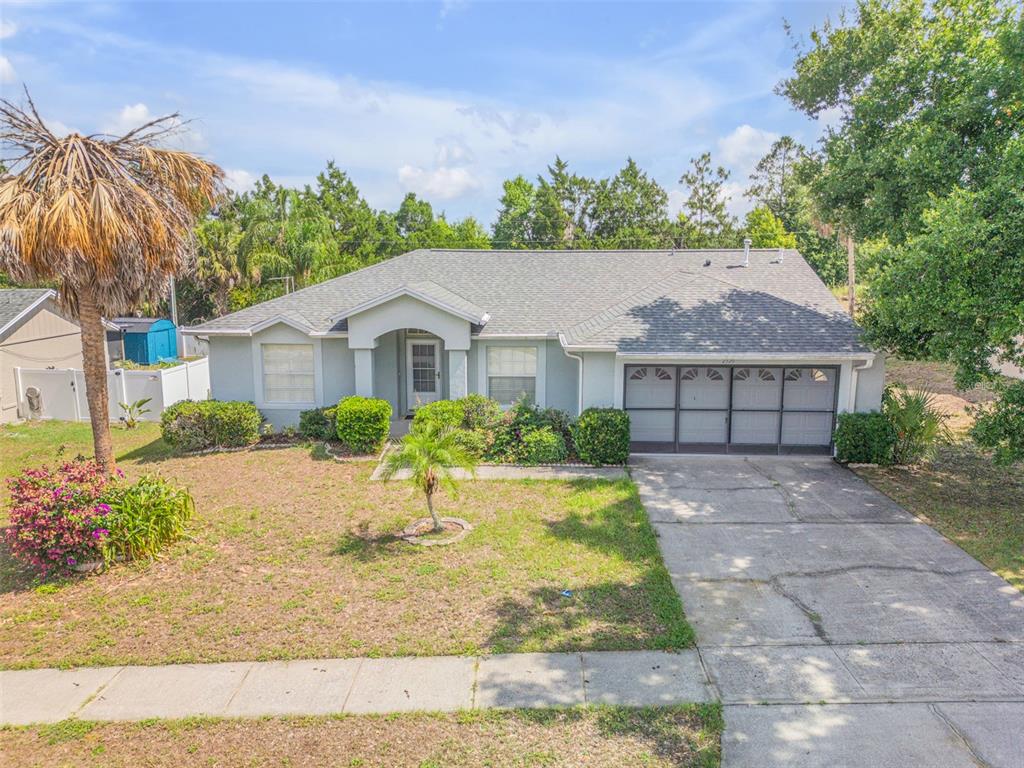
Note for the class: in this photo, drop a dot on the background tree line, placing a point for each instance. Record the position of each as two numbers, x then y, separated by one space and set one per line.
258 244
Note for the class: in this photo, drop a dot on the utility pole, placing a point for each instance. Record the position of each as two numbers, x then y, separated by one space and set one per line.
174 303
851 274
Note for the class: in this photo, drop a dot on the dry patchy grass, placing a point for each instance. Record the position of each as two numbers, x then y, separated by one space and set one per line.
292 556
934 377
674 737
976 504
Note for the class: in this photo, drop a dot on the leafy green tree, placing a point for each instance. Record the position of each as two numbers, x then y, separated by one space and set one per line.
362 234
563 207
781 183
766 230
927 158
928 94
771 183
704 221
430 453
629 211
414 217
514 225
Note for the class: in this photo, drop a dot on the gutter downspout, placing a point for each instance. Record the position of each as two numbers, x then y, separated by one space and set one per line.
579 378
854 371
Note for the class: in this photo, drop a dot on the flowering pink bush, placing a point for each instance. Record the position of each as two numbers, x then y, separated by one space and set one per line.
57 519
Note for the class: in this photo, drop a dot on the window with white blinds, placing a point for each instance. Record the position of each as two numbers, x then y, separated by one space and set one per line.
288 373
512 373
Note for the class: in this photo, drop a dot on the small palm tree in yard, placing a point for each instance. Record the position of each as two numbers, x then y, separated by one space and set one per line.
430 452
107 218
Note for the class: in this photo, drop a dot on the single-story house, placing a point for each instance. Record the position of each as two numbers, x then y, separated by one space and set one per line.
35 333
707 350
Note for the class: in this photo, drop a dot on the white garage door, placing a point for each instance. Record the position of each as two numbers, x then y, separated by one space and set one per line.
730 408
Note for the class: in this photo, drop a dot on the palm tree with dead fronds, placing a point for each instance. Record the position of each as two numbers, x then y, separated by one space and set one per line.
108 218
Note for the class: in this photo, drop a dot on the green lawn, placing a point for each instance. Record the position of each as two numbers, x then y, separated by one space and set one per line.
598 737
970 500
293 555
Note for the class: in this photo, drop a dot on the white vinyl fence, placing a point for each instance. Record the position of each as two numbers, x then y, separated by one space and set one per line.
62 390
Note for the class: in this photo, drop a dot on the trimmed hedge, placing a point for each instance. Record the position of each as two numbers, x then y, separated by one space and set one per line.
543 446
443 413
318 424
602 436
363 423
866 438
194 426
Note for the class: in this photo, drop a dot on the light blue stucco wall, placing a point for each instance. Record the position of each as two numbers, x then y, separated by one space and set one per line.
339 370
562 379
385 369
598 379
231 368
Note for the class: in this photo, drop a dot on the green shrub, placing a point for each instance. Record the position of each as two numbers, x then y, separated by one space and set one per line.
543 446
144 517
481 412
999 425
561 423
601 436
443 413
918 423
363 423
318 424
195 426
235 423
866 438
475 442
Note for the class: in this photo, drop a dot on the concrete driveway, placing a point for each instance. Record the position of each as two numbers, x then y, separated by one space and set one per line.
837 629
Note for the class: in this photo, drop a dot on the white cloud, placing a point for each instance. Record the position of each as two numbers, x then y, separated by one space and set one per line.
742 148
57 128
129 118
185 136
7 29
449 7
396 136
7 73
239 180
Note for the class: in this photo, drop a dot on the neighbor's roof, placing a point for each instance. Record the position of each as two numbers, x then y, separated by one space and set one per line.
138 324
636 302
16 302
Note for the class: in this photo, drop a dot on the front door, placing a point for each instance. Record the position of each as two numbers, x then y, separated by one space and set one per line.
422 361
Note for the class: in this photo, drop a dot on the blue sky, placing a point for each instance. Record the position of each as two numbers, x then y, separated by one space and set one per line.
445 99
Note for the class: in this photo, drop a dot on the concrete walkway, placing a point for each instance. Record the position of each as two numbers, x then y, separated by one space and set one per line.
873 640
354 686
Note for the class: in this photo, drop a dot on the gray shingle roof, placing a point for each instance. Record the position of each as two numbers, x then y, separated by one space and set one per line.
639 302
14 301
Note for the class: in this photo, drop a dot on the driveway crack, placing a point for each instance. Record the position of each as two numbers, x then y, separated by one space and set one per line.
978 759
787 497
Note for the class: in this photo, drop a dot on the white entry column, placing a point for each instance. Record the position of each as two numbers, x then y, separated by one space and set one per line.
364 372
458 381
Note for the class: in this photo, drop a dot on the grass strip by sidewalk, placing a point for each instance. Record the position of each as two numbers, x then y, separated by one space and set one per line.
598 737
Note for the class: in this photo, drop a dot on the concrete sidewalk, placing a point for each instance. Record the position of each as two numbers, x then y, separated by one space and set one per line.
353 686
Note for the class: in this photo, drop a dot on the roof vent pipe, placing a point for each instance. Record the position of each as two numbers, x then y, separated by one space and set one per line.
782 254
746 251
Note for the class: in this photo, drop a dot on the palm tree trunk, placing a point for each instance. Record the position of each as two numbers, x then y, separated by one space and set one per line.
94 357
433 514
